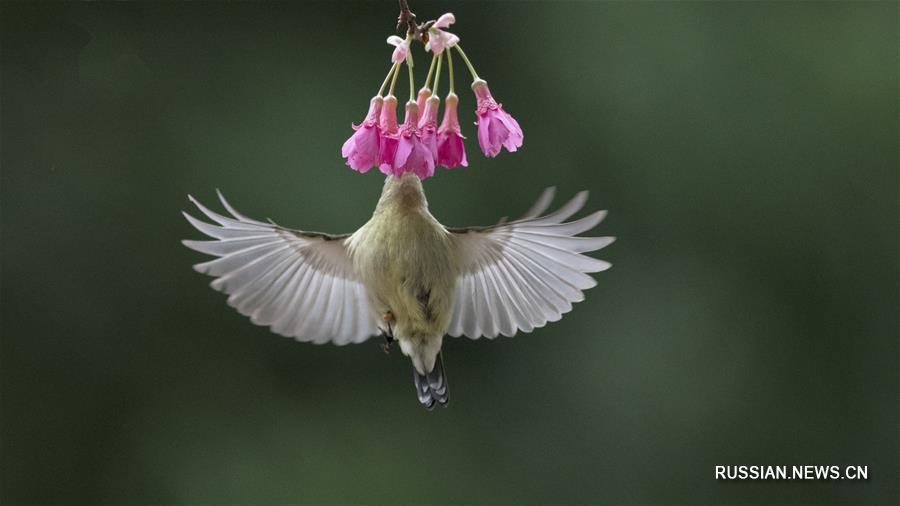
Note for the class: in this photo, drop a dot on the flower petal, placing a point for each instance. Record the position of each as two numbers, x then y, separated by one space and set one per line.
445 20
439 40
451 39
451 150
404 149
349 145
515 136
484 137
399 54
498 135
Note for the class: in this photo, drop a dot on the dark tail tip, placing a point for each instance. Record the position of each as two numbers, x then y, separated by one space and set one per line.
431 388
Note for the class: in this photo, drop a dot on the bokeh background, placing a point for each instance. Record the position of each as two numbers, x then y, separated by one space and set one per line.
747 152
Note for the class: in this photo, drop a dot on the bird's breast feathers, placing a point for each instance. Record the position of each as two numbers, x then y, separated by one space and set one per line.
407 261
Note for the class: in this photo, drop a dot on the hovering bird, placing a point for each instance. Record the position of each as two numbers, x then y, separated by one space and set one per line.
404 275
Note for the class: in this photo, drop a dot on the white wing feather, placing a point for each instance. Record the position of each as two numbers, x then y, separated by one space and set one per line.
519 275
301 284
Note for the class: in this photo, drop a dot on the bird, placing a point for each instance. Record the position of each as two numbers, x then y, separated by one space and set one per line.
403 275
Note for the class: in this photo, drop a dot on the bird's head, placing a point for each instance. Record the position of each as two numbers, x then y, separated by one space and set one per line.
404 192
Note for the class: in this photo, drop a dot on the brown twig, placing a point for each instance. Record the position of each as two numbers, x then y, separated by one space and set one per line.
407 21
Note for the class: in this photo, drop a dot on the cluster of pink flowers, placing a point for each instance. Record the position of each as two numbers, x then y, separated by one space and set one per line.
419 144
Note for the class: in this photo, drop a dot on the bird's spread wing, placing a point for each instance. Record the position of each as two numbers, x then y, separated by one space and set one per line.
301 284
519 275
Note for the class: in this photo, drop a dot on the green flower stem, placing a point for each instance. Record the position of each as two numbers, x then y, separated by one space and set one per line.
468 63
434 59
412 85
386 79
450 68
409 65
437 76
394 78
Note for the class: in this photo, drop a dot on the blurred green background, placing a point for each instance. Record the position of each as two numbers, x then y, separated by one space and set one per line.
747 152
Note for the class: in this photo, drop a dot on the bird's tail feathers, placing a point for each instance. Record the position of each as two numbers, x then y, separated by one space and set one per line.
431 388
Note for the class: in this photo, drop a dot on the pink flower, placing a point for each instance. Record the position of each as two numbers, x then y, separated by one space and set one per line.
363 149
496 128
412 155
428 125
401 51
388 126
439 40
451 152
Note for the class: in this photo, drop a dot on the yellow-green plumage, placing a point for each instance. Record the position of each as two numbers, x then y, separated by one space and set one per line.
408 263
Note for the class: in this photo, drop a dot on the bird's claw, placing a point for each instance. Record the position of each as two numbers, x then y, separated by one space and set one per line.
388 342
389 335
